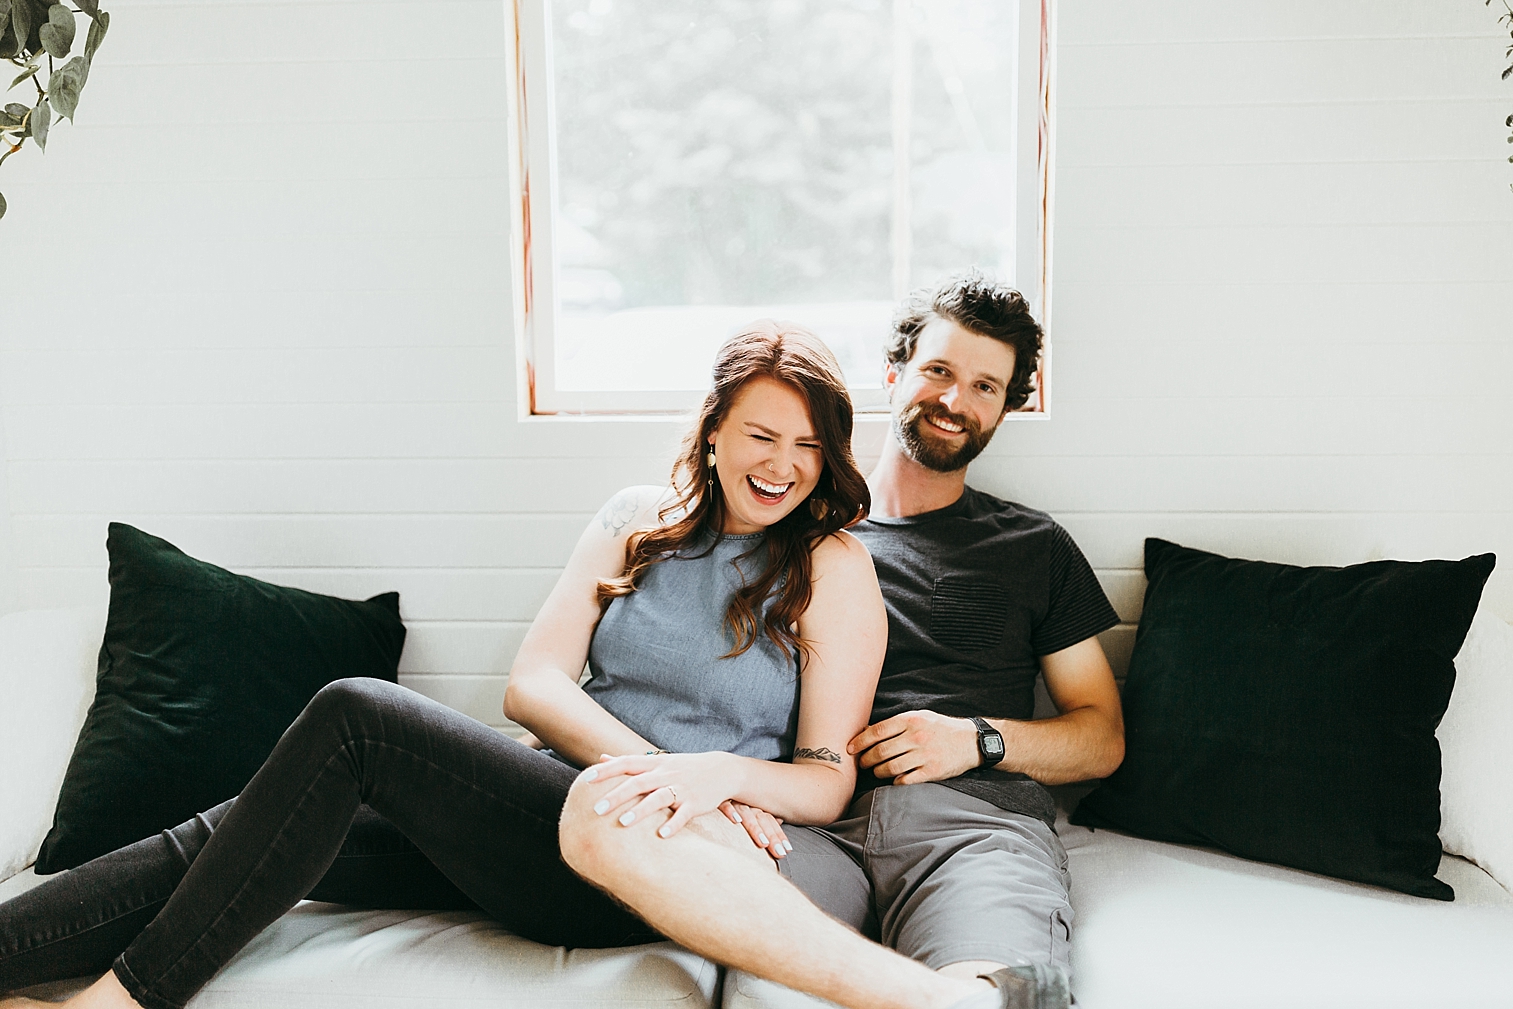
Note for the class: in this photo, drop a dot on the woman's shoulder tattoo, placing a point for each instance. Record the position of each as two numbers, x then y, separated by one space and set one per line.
620 509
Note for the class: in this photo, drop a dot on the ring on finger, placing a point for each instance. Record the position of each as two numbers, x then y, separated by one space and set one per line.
672 791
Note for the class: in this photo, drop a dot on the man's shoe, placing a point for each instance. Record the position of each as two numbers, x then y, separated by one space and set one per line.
1031 986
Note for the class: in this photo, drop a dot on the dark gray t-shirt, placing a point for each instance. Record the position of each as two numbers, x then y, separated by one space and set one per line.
976 592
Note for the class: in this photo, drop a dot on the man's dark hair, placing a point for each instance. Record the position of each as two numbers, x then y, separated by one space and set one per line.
979 304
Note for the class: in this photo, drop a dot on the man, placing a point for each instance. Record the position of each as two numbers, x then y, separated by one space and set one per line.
948 854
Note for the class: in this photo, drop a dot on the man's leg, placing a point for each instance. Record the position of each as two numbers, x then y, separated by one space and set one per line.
709 888
965 886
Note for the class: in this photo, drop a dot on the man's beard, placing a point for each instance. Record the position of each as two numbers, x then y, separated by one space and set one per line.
930 451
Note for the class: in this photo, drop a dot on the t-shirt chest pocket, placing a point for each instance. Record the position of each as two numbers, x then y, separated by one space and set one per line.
968 614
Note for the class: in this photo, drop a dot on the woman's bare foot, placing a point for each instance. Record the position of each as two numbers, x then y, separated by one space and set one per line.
105 993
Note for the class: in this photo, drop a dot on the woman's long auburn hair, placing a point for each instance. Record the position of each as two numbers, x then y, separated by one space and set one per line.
795 356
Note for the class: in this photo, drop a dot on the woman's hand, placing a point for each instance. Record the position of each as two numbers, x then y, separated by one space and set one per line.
765 829
689 784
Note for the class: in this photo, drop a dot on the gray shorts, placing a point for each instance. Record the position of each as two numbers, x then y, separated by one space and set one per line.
939 876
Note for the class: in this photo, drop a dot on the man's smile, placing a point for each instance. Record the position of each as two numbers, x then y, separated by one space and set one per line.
948 426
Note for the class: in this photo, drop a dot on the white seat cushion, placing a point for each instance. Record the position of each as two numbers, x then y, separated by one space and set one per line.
1162 925
322 956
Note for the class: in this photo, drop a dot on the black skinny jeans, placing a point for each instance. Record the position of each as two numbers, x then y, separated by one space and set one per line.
479 811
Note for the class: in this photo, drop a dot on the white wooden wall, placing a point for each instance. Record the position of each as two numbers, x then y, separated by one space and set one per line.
257 302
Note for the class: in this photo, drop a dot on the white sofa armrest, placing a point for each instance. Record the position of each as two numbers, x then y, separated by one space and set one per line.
47 682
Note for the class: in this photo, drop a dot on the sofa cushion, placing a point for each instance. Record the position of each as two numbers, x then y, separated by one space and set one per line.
322 956
1163 926
46 682
200 672
1287 714
1477 784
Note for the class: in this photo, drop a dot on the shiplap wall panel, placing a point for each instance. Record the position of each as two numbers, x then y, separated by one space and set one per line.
280 335
10 576
347 486
1371 194
438 594
216 431
334 540
1261 144
1174 21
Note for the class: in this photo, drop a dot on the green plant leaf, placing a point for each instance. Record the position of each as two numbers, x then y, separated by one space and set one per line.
64 85
36 20
8 121
97 29
58 34
22 21
42 118
2 204
5 17
90 7
31 71
8 45
18 110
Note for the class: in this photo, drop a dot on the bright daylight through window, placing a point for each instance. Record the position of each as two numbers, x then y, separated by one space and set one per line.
686 166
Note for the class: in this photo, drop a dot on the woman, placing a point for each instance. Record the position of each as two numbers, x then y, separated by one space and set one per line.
699 609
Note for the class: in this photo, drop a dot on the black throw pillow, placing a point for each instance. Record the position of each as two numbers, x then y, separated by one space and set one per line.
1287 714
200 673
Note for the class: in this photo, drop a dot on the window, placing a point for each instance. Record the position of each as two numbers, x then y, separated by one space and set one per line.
685 166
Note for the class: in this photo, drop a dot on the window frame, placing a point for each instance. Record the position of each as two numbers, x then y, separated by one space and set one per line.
532 182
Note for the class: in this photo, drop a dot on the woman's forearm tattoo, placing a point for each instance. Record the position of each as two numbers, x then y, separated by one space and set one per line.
823 753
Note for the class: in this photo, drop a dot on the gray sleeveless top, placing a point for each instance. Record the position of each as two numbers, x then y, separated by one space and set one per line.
656 660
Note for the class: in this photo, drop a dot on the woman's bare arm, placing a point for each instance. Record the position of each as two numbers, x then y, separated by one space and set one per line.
543 693
847 631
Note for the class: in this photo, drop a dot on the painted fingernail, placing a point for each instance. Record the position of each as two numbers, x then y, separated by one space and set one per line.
736 817
665 830
787 846
590 774
763 839
626 819
601 807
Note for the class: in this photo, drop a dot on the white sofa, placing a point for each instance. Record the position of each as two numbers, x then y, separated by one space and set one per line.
1157 925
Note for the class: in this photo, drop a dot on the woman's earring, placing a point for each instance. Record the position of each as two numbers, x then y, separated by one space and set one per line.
819 508
710 459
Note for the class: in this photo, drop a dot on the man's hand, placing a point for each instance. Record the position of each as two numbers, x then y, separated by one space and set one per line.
918 746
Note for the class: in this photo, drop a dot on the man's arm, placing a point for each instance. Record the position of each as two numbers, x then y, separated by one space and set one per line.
1086 740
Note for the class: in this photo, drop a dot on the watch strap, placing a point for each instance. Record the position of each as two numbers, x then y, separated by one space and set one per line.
983 731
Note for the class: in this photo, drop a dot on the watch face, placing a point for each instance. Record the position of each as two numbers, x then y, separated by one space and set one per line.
993 745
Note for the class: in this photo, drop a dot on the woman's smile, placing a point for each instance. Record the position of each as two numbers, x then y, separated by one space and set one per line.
768 493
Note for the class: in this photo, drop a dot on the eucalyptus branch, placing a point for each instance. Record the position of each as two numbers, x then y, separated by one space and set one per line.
1506 18
30 30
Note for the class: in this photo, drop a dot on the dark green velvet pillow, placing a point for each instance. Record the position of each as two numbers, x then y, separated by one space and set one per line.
1287 714
200 673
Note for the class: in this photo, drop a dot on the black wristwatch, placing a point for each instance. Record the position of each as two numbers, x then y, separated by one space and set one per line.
989 742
